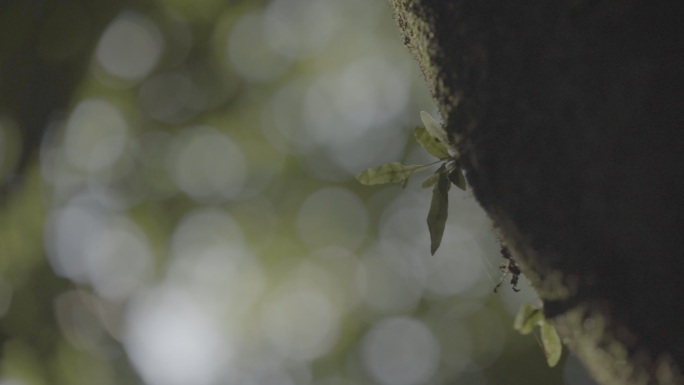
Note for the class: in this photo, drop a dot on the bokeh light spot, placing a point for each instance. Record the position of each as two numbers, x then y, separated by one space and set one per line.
455 268
69 231
96 136
119 261
301 324
251 54
333 217
299 28
208 165
130 46
173 341
205 228
400 351
90 244
383 289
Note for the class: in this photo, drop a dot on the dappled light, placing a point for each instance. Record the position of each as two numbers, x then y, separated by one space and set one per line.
400 351
130 47
332 217
95 136
198 205
207 165
173 340
251 54
383 289
301 28
91 243
300 322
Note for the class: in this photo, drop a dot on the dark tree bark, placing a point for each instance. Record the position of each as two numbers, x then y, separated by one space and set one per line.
570 118
45 51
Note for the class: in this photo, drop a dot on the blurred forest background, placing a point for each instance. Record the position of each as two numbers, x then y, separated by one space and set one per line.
191 216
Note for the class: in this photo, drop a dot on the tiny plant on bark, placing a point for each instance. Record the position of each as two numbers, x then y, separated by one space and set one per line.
528 318
434 139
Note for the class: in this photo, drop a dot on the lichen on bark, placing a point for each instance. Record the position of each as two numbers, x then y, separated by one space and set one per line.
570 125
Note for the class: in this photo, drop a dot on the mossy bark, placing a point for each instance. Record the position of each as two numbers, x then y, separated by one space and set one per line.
570 120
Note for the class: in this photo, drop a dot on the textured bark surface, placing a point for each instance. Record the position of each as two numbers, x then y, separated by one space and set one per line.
570 118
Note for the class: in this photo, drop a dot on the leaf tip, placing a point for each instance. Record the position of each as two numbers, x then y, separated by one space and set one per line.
553 347
362 177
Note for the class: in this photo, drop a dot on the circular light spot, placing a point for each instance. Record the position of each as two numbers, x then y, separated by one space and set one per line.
96 136
282 124
454 339
341 267
455 268
208 165
249 51
173 341
130 47
384 290
301 324
205 228
400 227
400 351
89 244
371 91
298 28
488 335
333 217
68 235
225 275
327 126
119 260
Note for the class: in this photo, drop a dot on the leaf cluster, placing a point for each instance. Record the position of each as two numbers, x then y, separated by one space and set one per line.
433 138
528 318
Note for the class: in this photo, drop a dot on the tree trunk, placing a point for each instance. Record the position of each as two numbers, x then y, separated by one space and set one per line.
569 117
45 51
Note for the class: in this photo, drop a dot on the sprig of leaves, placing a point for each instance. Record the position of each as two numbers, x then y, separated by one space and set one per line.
434 139
530 316
394 172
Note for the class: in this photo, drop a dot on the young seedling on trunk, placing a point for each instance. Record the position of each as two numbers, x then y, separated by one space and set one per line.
434 139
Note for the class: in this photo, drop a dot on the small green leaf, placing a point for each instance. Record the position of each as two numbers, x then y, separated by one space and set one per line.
457 178
552 343
434 128
431 180
431 144
389 173
439 209
527 318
